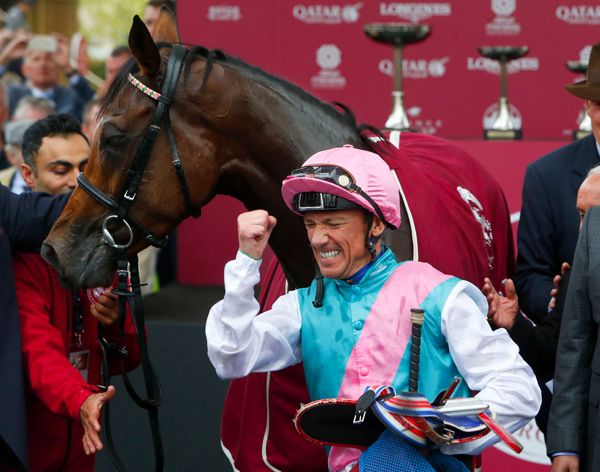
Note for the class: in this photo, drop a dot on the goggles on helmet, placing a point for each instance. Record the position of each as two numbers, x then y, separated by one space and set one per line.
313 201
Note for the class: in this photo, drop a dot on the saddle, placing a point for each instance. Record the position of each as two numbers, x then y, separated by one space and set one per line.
359 423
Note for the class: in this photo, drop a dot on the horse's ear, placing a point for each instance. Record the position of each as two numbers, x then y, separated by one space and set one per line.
143 48
165 28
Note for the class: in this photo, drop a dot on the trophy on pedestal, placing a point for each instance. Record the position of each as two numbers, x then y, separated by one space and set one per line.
503 126
584 121
398 35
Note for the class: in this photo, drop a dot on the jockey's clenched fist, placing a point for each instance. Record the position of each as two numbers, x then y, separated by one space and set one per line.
254 229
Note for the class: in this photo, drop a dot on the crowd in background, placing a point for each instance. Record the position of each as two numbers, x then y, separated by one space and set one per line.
44 74
50 356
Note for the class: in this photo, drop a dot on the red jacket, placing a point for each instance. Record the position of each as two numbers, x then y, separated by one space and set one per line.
56 390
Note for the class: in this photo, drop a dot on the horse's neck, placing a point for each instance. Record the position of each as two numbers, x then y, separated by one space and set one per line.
258 188
290 131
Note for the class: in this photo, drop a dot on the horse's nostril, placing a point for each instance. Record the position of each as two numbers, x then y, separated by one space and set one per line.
49 255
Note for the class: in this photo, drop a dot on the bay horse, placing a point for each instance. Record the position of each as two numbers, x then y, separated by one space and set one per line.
237 130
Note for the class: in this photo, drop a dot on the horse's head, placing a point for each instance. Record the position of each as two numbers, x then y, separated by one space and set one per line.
132 171
239 131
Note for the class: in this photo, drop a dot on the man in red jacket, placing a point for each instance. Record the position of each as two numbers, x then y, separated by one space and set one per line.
59 328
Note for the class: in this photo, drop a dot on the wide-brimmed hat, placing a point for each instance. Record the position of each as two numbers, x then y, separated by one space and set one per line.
589 88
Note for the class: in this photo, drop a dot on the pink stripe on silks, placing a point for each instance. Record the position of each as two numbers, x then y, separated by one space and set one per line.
378 352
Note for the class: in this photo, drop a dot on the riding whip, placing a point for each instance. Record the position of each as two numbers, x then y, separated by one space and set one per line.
417 315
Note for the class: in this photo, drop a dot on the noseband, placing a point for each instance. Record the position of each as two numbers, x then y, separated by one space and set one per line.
128 192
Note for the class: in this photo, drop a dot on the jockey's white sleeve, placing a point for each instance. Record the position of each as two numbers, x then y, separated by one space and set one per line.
239 342
490 363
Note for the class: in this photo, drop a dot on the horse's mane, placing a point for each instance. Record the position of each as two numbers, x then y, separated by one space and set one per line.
288 90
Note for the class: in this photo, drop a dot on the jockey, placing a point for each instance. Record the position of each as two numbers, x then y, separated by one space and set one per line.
351 327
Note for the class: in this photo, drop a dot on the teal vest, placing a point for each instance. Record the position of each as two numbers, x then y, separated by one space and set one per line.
361 334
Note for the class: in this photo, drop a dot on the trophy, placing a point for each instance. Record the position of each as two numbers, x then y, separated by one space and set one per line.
398 35
503 126
584 121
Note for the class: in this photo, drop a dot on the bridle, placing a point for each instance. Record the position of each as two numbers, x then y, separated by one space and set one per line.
120 206
129 283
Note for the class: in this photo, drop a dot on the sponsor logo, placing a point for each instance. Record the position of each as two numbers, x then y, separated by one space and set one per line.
503 24
224 13
94 294
491 113
523 64
579 14
534 446
416 68
415 12
423 124
504 7
327 14
329 58
486 227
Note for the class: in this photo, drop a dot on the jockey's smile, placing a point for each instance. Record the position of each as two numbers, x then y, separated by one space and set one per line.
337 239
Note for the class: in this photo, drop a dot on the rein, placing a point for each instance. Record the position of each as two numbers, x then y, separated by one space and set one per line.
113 350
120 209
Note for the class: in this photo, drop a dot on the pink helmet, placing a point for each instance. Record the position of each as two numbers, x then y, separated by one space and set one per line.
359 177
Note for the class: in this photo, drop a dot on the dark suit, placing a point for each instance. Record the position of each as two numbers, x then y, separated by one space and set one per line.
549 223
25 220
573 415
70 100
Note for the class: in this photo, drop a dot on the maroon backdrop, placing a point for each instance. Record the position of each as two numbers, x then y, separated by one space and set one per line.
321 47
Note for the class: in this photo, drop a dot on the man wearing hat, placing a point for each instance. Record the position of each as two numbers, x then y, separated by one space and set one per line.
549 223
11 177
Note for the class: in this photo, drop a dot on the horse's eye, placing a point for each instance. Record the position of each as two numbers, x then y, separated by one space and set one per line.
115 141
